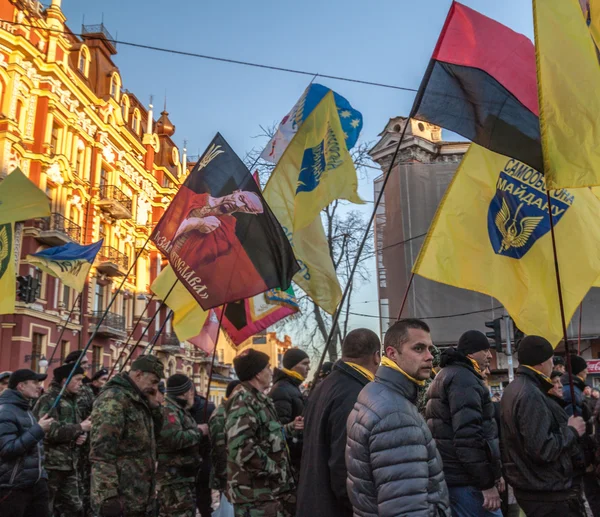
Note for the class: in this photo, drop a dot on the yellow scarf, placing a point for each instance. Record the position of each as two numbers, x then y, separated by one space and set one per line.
386 361
476 366
539 373
362 370
293 374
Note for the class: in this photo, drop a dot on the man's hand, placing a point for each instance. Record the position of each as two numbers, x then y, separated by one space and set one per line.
299 423
45 423
203 428
501 485
577 423
491 499
86 425
81 439
202 224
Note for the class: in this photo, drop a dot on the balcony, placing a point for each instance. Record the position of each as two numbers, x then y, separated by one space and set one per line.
56 230
115 202
112 262
170 344
113 324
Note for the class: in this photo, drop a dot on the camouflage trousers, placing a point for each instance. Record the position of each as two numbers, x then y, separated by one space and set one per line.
177 500
65 499
84 467
285 506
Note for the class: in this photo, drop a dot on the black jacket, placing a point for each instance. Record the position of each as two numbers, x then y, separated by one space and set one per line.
197 411
287 397
322 488
537 443
21 443
393 464
460 415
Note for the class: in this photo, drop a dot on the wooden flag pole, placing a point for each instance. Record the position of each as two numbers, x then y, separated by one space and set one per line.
62 331
410 281
561 303
137 323
157 312
100 321
212 364
336 316
579 334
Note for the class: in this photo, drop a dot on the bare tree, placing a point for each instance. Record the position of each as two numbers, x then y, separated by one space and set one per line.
344 229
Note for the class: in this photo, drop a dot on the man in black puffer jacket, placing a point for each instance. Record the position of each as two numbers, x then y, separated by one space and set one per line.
538 440
287 397
23 480
393 464
460 415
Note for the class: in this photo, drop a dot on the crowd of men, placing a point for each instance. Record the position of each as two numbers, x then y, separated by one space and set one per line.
414 432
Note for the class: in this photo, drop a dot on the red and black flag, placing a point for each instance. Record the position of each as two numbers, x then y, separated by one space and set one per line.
219 234
481 83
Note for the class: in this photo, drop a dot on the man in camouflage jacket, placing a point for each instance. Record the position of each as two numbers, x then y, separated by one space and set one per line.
126 420
179 446
259 475
85 402
62 442
218 442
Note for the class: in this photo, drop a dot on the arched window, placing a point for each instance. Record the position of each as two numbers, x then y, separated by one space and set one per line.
136 121
115 86
83 64
125 108
80 158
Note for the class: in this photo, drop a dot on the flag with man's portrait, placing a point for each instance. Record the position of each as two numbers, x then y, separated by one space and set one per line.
220 236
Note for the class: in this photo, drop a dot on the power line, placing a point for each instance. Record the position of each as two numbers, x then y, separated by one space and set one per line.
430 317
216 58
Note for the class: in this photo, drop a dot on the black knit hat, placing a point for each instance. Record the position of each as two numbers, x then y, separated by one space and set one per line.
578 364
62 372
472 341
534 350
150 364
293 356
250 363
555 374
99 373
73 356
24 375
230 387
558 360
178 384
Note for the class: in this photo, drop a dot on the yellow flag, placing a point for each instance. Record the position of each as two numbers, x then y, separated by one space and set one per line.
20 199
316 167
188 316
594 18
8 279
491 234
569 93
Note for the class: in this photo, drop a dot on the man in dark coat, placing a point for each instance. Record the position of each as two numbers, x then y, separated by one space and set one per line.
393 464
538 438
287 397
23 479
460 415
201 415
322 488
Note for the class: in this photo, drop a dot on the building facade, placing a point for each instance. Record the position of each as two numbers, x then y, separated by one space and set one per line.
425 167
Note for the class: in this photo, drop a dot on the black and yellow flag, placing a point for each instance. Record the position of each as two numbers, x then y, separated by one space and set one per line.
20 199
491 234
8 282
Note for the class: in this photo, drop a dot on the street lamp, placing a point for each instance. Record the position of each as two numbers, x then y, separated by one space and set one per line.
43 363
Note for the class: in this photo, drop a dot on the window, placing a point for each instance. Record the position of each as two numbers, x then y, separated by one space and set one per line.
135 122
80 159
102 233
97 358
125 108
103 177
54 139
259 340
64 351
66 296
38 274
221 355
37 344
83 64
75 214
115 86
20 115
99 298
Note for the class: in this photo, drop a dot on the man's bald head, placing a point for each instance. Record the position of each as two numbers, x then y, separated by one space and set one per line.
360 344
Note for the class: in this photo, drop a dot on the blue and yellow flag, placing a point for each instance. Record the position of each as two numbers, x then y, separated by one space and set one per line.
491 234
315 169
568 77
70 263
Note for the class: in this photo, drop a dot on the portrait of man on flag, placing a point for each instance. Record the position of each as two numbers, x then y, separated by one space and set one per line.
219 235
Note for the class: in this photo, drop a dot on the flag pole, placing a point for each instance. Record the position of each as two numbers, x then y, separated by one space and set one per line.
100 321
131 335
150 346
410 281
561 303
386 178
212 364
579 334
59 340
162 304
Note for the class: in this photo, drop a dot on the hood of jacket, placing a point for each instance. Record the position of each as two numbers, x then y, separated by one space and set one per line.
280 375
399 382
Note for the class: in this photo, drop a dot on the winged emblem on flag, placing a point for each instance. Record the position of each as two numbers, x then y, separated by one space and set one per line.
515 232
4 247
